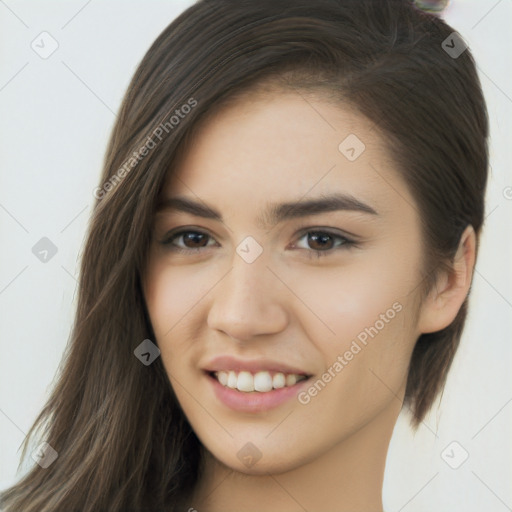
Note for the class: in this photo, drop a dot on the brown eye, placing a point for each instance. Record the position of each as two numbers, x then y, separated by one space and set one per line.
191 240
322 243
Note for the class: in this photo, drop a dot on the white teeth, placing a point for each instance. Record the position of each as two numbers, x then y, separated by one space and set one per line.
232 380
291 379
261 381
279 381
245 382
223 378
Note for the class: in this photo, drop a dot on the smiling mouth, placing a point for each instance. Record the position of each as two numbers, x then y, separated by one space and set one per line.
259 382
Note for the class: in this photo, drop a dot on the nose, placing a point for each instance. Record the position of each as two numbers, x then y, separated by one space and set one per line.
248 301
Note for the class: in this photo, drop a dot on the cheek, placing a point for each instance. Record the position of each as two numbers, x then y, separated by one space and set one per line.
365 364
350 299
172 292
370 311
171 295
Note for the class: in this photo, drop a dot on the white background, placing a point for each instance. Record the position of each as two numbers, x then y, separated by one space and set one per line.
56 116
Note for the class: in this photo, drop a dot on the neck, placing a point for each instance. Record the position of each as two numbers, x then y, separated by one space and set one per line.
347 477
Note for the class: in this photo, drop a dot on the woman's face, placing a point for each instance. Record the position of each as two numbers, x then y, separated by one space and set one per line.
286 247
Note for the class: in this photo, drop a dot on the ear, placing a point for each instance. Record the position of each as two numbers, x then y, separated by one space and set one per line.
445 299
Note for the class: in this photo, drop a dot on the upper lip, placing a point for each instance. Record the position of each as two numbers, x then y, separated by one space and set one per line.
227 363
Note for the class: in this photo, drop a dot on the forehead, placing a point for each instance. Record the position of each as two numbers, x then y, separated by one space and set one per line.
282 147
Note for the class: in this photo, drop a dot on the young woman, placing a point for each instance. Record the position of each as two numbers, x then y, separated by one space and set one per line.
279 259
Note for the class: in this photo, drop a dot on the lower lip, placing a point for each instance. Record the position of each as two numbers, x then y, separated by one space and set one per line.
254 401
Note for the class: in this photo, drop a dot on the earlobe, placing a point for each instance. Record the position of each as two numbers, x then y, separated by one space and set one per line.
445 299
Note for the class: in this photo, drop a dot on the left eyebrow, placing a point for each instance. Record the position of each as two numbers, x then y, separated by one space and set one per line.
275 212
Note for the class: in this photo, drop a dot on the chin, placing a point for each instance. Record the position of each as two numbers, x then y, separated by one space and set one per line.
260 457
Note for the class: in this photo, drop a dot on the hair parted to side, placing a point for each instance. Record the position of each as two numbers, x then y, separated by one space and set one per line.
123 442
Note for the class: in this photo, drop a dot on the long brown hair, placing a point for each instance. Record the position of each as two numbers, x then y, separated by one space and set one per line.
123 442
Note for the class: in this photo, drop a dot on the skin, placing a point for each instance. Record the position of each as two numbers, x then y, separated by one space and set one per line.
327 454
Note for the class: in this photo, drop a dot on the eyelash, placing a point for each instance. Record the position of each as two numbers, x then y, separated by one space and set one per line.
345 245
